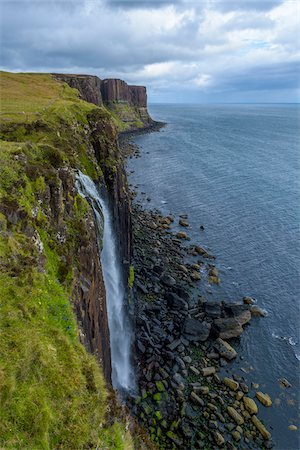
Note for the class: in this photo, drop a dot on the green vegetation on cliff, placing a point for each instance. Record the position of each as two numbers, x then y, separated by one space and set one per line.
52 392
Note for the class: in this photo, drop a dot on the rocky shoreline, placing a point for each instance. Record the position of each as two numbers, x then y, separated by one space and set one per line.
183 341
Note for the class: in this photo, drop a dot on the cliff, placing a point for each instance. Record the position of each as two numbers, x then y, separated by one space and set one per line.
53 393
127 104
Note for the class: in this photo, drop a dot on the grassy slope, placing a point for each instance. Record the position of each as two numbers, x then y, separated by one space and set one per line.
52 393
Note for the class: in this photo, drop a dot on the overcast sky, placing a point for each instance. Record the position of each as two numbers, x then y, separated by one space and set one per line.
183 51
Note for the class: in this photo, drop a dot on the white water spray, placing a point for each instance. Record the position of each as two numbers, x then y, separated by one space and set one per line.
119 329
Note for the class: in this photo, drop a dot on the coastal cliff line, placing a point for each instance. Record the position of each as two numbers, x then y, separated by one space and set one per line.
56 367
53 393
127 104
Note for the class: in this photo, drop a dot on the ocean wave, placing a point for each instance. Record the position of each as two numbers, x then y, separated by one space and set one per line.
291 340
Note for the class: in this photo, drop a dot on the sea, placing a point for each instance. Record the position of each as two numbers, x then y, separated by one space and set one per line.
235 170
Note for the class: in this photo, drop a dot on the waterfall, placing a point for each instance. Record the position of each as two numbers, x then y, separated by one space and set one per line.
119 328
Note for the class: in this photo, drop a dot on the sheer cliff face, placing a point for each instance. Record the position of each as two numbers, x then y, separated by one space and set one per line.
129 103
108 157
89 86
88 293
118 91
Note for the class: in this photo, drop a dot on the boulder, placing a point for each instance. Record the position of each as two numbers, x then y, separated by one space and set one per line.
175 302
227 328
194 330
213 310
197 399
265 399
235 415
261 428
225 350
256 311
168 280
208 371
182 235
183 223
219 440
233 385
195 276
250 405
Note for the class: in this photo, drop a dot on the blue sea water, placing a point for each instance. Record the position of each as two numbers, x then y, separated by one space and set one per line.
235 170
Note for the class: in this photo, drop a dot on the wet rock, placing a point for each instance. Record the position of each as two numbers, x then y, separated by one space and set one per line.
234 385
195 331
256 311
183 222
208 371
213 310
219 440
158 270
141 346
195 276
236 436
204 390
248 301
182 235
187 359
225 350
250 405
227 328
200 250
197 399
235 415
194 370
174 301
244 387
213 280
213 355
261 428
284 383
265 399
239 395
168 280
174 344
178 378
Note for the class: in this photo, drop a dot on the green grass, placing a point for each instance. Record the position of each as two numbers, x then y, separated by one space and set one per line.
52 392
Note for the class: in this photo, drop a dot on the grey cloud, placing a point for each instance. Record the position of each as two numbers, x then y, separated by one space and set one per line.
64 36
242 5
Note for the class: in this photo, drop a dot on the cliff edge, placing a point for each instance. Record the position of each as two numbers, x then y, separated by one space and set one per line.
55 351
127 104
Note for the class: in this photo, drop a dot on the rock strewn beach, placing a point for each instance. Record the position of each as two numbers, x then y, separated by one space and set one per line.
183 341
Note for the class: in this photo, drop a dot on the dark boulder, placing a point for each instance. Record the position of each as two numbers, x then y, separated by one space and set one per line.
227 328
168 280
213 310
175 302
194 330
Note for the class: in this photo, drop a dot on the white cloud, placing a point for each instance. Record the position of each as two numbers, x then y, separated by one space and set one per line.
210 46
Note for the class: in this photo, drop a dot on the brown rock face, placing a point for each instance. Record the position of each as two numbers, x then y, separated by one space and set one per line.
138 96
89 86
90 303
114 90
116 182
88 295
